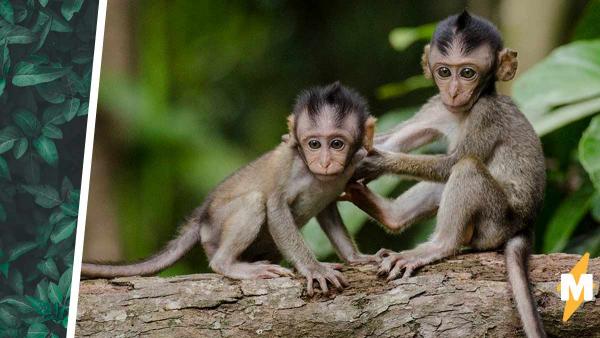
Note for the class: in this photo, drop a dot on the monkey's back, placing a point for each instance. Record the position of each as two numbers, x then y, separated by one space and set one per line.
517 161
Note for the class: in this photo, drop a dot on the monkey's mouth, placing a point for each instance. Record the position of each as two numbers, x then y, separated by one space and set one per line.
326 177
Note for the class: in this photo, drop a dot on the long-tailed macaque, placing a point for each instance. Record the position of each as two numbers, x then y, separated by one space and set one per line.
254 215
488 187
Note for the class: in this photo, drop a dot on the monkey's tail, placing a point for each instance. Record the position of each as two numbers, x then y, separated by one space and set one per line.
517 254
188 236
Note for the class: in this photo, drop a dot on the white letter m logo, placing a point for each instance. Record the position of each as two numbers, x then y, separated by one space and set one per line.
569 287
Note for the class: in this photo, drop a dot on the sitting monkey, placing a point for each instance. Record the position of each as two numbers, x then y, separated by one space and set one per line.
254 215
488 187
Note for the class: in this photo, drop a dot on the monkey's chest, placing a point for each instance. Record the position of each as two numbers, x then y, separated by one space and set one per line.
315 196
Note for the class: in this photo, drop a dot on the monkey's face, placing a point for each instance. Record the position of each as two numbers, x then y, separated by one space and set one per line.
326 143
461 77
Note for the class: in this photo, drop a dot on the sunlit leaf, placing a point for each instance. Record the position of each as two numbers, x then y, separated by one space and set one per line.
46 149
27 121
8 136
396 89
48 267
402 37
70 7
63 230
29 74
54 294
20 147
37 330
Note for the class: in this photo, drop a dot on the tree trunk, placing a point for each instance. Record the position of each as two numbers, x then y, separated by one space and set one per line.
466 296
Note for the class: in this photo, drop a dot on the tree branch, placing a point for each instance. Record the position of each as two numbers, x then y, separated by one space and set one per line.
461 297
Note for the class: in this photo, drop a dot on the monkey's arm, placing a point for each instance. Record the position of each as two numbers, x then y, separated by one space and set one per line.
332 224
288 239
407 136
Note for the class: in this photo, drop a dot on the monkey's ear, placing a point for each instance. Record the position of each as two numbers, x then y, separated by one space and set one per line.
507 64
290 138
369 133
425 62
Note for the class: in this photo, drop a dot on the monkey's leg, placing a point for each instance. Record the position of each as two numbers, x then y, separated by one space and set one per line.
332 224
472 204
240 230
418 202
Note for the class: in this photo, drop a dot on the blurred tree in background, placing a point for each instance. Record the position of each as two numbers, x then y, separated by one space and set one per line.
192 90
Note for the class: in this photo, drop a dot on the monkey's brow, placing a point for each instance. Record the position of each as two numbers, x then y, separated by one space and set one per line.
337 133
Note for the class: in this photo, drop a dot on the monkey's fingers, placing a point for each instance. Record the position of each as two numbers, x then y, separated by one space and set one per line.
309 286
323 284
410 268
341 278
334 280
383 253
395 272
344 197
280 271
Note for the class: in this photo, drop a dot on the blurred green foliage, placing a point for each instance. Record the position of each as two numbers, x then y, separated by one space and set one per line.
45 70
215 81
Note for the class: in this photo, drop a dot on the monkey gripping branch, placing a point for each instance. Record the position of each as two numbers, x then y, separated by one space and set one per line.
465 296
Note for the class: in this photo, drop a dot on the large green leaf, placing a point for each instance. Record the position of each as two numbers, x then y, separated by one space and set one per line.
48 267
4 171
570 78
70 7
15 34
589 151
45 195
46 149
27 121
8 136
30 74
6 11
21 249
63 230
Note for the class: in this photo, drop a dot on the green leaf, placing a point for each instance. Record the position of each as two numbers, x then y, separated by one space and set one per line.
52 131
65 281
7 318
41 307
15 34
4 172
63 230
2 85
71 107
43 35
70 7
565 219
37 330
58 22
54 294
569 77
401 38
48 268
43 2
7 11
589 151
83 109
20 147
18 303
41 290
46 149
45 195
54 114
21 249
53 92
27 121
15 281
30 74
8 136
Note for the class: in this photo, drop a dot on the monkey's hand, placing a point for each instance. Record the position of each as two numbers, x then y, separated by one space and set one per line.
323 273
355 192
371 167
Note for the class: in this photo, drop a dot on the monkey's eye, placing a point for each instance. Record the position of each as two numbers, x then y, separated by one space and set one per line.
467 73
314 144
337 144
444 72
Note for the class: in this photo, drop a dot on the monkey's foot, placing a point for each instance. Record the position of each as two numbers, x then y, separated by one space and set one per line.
393 263
323 273
255 270
263 270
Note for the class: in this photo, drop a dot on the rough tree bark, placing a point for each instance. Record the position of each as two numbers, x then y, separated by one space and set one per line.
466 296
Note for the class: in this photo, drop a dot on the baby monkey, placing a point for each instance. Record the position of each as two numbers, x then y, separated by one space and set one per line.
254 215
488 187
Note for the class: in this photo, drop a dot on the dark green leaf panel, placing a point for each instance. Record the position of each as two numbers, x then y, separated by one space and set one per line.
46 50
